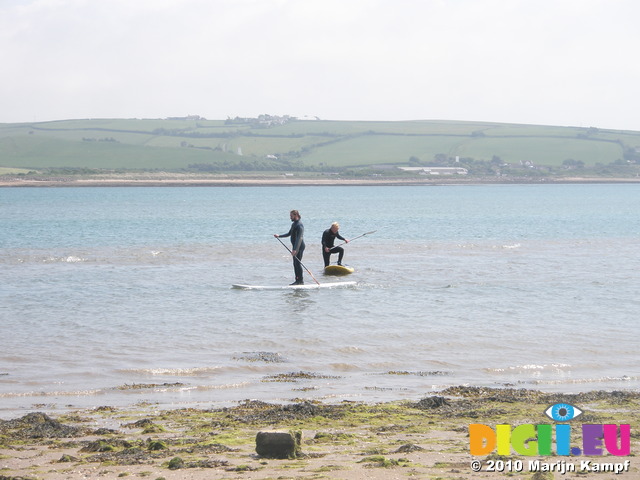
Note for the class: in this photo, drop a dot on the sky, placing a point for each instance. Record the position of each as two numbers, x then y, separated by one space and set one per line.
546 62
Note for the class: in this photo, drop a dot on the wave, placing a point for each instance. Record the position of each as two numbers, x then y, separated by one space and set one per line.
350 349
511 247
528 368
187 372
575 381
252 367
70 393
109 392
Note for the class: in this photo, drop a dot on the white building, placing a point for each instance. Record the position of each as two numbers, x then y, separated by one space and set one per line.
437 170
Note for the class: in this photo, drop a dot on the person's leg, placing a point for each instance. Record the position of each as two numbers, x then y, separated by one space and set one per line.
297 269
326 256
340 252
297 266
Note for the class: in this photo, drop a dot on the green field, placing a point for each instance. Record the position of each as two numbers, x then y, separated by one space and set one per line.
288 145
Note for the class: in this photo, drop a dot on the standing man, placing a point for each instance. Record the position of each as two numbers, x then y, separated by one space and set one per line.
328 238
296 232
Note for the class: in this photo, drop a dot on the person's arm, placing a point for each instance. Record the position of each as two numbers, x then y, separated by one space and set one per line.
288 234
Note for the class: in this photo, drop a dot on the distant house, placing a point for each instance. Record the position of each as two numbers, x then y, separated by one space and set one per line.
188 117
437 170
262 121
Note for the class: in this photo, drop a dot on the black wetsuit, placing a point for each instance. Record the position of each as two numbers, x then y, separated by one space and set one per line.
328 239
296 232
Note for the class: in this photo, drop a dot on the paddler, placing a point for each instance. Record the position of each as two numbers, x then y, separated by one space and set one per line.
328 239
296 232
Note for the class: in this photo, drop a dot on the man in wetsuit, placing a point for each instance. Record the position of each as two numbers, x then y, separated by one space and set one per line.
328 238
296 232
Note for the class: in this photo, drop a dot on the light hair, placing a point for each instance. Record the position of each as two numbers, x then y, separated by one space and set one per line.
295 212
335 224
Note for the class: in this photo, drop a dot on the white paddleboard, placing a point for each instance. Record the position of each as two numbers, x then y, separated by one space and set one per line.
306 286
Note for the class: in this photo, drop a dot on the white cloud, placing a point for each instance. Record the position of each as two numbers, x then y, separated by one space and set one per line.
569 62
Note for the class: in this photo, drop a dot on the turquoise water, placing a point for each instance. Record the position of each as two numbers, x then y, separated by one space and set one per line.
534 286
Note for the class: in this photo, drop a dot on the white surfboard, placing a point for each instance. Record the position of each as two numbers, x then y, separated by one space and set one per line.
306 286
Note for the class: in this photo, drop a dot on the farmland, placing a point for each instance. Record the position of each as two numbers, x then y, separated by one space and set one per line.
285 144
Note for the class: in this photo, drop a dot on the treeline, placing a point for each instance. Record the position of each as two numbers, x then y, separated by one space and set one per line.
493 167
177 132
497 167
262 121
109 139
252 165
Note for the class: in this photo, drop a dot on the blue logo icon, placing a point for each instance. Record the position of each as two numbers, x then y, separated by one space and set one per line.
562 412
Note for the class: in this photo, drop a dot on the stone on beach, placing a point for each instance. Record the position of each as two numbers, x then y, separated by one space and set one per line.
278 444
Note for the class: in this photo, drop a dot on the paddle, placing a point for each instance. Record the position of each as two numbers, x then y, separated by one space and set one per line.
308 271
368 233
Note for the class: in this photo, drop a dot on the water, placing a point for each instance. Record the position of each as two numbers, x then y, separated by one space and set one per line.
116 296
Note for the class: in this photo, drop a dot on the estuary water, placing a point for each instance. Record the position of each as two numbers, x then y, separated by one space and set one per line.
120 296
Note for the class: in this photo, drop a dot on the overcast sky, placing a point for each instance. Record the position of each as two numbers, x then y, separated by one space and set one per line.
552 62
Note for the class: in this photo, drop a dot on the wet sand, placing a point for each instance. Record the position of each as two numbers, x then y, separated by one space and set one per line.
424 439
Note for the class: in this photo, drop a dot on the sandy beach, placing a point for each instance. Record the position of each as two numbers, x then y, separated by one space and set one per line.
159 179
425 439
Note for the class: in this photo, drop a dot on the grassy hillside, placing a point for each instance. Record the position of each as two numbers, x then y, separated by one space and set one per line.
287 144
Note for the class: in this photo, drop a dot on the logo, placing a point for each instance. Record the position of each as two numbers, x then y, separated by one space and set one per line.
540 439
562 412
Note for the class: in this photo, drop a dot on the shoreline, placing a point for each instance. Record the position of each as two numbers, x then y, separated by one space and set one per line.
162 179
347 440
